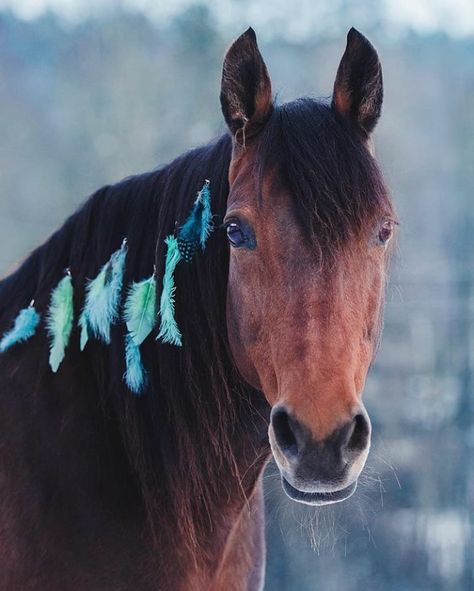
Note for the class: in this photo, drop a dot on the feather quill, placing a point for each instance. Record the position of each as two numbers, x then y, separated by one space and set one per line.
169 331
140 309
135 374
59 320
23 328
101 307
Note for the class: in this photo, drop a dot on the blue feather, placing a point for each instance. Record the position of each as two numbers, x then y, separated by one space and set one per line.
101 307
135 375
206 214
197 227
23 329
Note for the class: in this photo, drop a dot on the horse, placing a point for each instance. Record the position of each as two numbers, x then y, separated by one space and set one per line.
280 317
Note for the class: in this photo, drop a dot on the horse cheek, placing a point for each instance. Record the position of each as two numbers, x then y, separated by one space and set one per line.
241 337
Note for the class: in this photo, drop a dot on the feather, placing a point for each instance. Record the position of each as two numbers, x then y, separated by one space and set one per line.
101 307
135 374
59 320
23 328
169 331
140 309
95 296
197 227
84 324
206 214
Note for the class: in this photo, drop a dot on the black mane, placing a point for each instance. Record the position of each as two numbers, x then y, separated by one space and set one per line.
193 392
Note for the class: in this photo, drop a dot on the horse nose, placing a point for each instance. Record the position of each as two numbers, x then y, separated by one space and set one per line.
357 433
289 434
324 461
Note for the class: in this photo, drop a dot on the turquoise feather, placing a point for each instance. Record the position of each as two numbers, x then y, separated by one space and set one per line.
59 320
206 214
84 325
197 227
169 331
102 301
95 294
23 328
140 309
135 375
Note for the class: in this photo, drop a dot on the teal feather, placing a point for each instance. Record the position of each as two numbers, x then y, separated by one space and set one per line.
169 331
102 301
23 328
135 374
59 320
206 214
197 227
140 309
84 325
95 295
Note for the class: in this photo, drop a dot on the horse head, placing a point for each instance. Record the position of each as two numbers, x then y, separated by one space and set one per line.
309 224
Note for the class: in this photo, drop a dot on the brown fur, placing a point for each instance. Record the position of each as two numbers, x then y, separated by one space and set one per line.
306 336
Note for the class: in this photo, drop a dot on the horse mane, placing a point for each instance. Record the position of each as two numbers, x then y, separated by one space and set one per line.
178 434
195 399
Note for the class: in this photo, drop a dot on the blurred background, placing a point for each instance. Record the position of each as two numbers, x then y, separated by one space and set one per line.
92 91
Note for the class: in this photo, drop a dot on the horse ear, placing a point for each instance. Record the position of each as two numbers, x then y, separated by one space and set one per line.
358 89
246 90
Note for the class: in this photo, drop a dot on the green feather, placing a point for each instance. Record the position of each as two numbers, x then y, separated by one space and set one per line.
169 331
59 320
83 323
140 309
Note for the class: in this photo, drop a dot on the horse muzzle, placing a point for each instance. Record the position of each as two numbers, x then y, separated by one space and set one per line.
319 472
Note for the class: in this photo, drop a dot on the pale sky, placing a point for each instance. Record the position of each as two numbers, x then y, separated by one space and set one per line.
297 17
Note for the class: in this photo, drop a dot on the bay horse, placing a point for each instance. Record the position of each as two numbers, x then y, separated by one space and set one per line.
280 318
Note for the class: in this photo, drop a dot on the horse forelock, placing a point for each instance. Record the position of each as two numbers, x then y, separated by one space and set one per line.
327 169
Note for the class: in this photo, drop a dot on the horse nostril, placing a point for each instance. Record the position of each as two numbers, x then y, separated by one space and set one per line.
360 433
284 434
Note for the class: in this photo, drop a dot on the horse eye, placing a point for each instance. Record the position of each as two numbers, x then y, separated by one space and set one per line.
385 232
235 234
